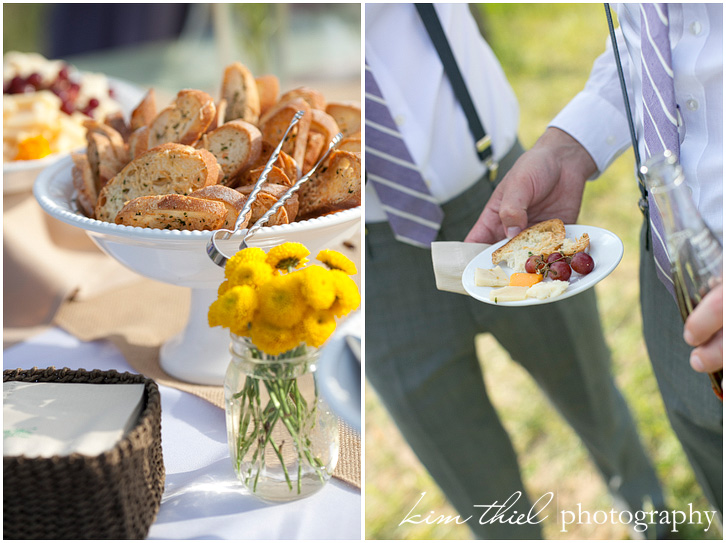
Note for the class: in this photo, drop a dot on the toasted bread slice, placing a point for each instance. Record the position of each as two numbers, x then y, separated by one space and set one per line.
118 123
314 98
274 123
333 187
84 184
172 212
239 89
316 144
347 115
145 112
184 121
138 142
266 198
569 247
542 238
236 145
350 143
233 201
275 176
220 112
107 152
268 89
168 169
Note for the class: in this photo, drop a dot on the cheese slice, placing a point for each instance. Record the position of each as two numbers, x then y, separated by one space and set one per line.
495 277
547 289
508 294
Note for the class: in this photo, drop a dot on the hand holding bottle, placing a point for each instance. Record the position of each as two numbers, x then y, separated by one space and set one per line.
704 331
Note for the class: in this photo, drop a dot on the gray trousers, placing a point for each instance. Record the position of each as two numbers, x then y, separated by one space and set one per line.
421 360
694 411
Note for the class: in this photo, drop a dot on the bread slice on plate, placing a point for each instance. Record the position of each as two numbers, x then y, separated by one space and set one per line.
236 145
268 89
239 90
274 123
168 169
84 184
173 212
542 238
145 112
314 98
185 120
347 116
269 194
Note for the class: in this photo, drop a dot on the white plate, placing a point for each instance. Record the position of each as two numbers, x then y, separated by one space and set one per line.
606 249
19 175
339 374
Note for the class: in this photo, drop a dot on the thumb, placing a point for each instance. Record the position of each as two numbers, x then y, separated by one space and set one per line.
513 209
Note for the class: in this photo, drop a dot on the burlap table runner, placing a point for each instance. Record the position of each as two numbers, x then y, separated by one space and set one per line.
138 318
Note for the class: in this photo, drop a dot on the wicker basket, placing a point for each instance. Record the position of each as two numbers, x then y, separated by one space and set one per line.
115 495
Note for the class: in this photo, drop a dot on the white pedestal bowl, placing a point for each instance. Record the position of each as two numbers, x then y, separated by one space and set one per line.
198 354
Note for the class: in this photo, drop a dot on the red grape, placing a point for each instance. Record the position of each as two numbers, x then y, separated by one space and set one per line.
534 264
582 263
36 80
554 257
559 271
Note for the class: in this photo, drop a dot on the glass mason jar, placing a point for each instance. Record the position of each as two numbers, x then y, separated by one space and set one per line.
283 438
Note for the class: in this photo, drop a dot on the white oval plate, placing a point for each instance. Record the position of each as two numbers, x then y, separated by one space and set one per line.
606 249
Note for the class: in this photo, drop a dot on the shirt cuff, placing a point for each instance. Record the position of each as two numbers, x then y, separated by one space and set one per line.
600 127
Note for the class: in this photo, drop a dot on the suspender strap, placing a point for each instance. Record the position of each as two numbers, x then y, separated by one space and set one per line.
643 203
431 21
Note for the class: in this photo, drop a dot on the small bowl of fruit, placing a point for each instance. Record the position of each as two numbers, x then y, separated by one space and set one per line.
45 103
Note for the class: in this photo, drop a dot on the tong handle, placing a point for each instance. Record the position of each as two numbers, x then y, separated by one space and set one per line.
292 190
263 176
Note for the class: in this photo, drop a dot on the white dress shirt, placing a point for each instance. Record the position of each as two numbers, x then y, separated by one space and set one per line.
596 116
412 79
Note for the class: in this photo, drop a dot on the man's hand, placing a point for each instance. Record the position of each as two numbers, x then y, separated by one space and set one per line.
704 331
545 183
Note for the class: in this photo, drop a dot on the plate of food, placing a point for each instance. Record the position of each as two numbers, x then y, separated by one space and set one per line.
45 105
545 263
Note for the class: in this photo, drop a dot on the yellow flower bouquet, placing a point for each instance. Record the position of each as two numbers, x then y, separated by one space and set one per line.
280 309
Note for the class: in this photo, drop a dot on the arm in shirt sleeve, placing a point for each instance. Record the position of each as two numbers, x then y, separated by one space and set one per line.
596 116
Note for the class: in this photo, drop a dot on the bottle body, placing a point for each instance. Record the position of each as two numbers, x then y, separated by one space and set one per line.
694 252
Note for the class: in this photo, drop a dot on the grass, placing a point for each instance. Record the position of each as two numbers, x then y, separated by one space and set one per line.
546 51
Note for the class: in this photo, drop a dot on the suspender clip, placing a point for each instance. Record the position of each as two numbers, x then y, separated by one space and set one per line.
493 168
484 143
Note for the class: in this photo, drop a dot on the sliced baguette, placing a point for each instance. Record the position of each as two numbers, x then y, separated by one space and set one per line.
239 90
314 98
168 169
266 198
335 186
184 121
118 123
106 151
232 200
268 89
173 212
236 145
542 238
274 123
84 184
347 115
145 112
275 176
138 142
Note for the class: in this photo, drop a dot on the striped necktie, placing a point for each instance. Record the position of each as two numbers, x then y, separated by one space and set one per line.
660 117
413 213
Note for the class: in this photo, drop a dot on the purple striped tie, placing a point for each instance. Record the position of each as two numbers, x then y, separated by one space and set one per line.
413 213
660 118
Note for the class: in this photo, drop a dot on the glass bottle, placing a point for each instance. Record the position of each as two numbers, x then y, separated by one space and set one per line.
283 438
695 253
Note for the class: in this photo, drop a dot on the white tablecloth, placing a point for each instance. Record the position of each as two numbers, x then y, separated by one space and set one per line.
202 498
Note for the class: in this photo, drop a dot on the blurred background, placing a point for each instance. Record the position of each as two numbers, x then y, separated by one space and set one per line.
175 46
547 51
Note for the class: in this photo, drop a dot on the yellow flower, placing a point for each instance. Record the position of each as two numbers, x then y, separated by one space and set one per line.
347 297
280 301
234 309
318 327
288 256
224 286
253 273
317 287
272 339
250 254
337 261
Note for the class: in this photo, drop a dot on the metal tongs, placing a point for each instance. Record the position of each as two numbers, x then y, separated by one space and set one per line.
213 249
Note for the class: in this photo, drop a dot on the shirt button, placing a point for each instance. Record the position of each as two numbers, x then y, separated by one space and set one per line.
692 105
695 28
399 120
610 140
